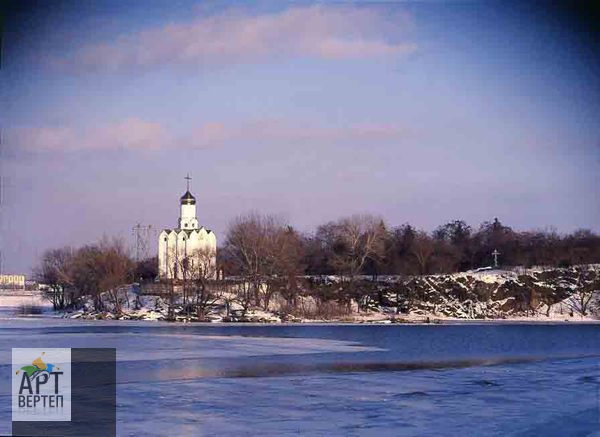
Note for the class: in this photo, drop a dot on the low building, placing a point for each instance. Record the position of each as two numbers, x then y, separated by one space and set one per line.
12 281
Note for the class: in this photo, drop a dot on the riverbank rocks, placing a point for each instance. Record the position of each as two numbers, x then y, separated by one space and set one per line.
495 294
491 294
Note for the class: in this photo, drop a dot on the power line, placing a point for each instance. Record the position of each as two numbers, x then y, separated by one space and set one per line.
142 235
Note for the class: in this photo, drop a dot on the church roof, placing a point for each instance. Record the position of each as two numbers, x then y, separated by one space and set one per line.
188 199
187 231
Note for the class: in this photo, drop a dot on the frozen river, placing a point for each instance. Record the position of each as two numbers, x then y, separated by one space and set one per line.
464 379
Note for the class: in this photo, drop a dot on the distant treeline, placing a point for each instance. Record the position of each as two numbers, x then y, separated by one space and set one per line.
259 246
263 258
366 245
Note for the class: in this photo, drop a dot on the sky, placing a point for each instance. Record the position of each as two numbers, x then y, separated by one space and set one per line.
418 112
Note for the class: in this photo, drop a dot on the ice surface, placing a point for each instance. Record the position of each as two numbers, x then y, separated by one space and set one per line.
336 380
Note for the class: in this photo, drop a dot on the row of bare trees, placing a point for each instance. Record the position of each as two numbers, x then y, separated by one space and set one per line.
271 256
92 270
261 245
104 273
263 256
452 247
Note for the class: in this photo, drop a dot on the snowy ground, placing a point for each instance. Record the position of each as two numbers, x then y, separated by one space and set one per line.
154 308
473 295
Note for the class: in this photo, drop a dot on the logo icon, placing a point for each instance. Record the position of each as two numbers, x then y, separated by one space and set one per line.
42 389
37 368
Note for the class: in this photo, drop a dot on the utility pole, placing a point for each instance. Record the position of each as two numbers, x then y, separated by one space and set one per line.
142 236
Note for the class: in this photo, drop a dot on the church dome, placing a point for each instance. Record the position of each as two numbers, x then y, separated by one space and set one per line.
188 199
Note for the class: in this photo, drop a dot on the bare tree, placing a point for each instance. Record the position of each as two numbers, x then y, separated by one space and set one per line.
267 254
246 295
352 242
86 274
201 271
88 271
287 264
588 285
115 270
56 271
422 248
249 248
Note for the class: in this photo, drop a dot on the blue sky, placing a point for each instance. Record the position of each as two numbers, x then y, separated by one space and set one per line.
418 112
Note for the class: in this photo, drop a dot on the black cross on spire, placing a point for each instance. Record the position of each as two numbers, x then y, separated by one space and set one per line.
188 179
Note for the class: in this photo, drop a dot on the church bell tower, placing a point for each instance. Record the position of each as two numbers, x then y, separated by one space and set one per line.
187 216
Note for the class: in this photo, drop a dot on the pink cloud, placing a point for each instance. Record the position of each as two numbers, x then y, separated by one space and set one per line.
282 132
330 32
139 135
131 133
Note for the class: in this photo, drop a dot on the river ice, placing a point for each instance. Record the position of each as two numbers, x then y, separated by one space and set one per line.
466 379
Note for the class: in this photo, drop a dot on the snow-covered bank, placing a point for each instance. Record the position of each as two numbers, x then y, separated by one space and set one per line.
533 295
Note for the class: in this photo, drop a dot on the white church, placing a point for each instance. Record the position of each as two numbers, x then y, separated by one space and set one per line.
190 250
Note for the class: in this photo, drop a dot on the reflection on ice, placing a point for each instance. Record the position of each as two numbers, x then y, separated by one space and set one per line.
336 380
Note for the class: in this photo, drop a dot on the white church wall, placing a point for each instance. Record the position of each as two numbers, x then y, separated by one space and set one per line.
188 218
189 241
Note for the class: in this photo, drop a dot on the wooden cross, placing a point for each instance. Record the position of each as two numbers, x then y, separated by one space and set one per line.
495 253
188 179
